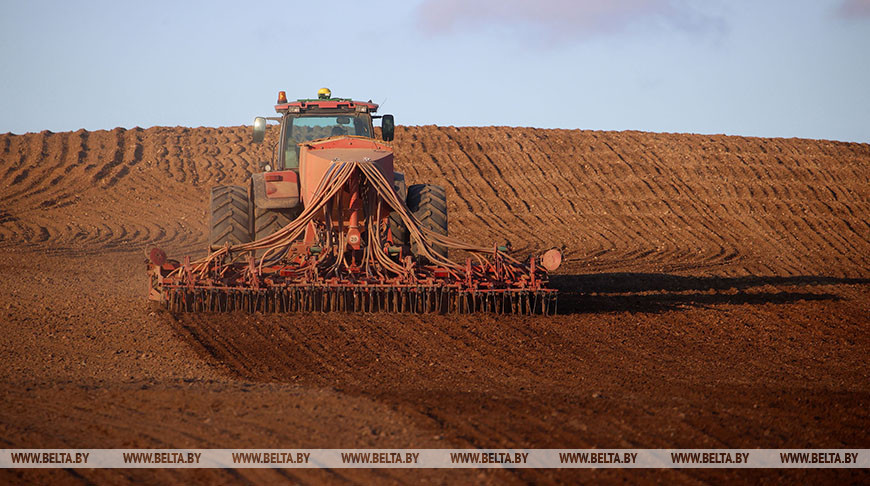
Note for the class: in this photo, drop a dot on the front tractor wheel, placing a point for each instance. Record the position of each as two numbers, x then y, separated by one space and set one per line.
230 217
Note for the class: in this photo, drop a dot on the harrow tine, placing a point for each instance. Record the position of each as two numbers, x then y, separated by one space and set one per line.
419 299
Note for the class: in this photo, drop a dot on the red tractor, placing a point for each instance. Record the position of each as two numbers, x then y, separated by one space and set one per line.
330 226
272 199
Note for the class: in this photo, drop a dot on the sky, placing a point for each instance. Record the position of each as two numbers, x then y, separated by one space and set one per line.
773 68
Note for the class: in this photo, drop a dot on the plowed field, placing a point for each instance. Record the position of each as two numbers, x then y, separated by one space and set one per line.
716 293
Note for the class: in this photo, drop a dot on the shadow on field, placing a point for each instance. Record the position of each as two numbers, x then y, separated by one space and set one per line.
656 292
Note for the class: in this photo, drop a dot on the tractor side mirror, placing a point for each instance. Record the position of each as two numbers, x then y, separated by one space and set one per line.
388 128
259 129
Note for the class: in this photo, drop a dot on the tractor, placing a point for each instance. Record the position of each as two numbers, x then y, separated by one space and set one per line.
329 225
271 199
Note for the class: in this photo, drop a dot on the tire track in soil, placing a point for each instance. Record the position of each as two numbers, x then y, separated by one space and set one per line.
76 172
467 184
516 176
52 170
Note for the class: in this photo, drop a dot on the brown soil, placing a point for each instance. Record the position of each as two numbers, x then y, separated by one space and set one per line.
715 294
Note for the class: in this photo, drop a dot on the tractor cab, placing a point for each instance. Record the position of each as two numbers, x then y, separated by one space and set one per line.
323 117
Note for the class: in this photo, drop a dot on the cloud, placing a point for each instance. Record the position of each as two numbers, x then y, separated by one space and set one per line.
559 19
855 8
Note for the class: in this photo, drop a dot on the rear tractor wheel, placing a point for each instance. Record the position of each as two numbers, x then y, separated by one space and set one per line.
230 217
428 202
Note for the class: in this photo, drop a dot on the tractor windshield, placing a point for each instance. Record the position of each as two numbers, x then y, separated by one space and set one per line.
305 128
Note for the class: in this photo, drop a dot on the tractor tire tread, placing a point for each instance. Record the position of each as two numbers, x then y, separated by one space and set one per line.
229 222
269 221
428 202
397 226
